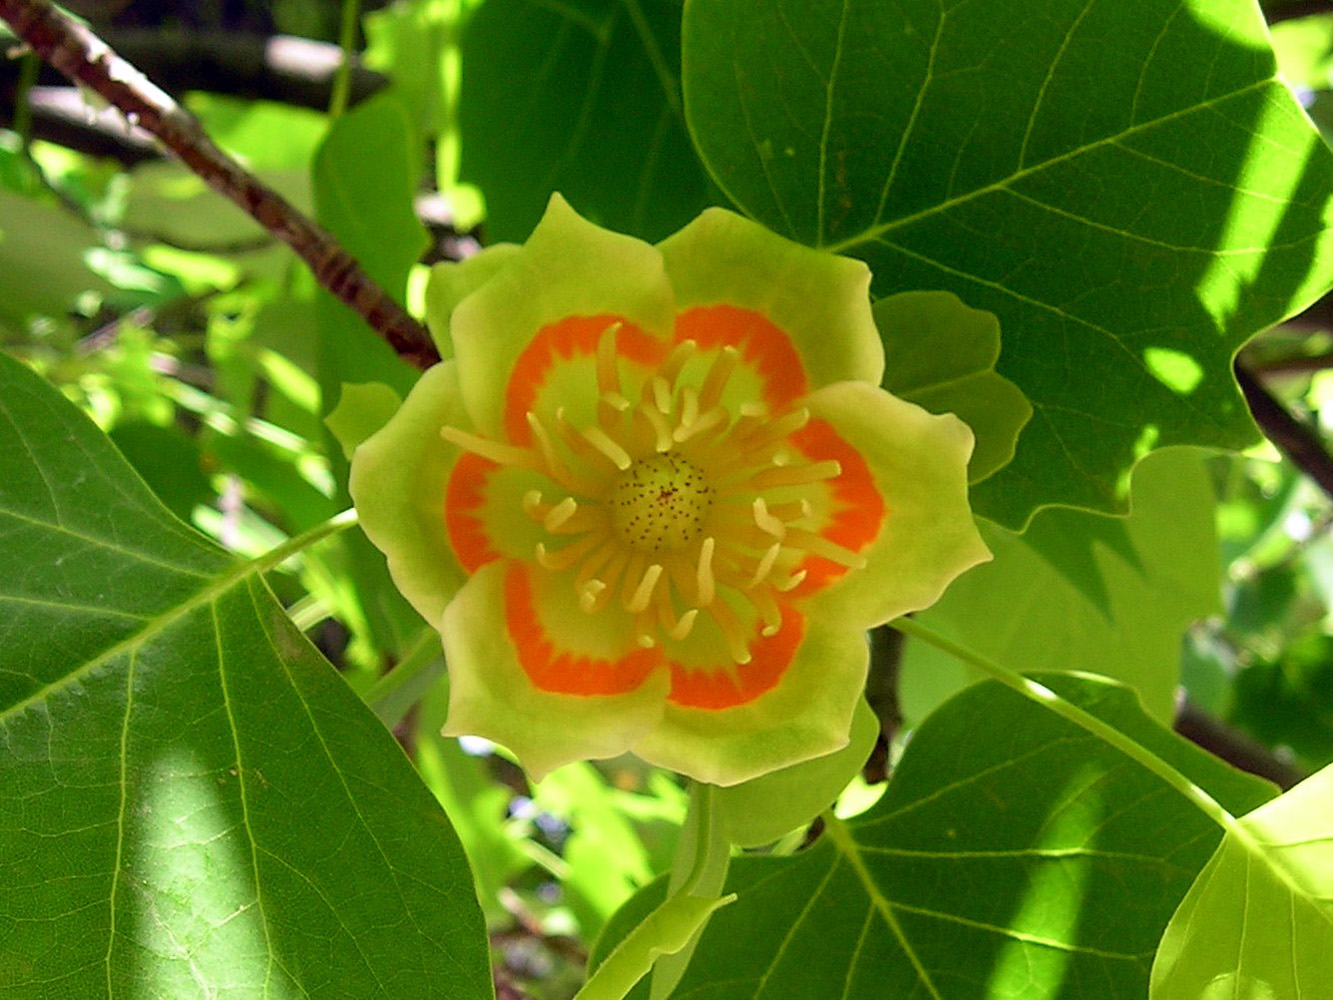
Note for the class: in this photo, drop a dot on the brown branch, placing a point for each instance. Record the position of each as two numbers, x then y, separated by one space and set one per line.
1294 439
86 59
1234 747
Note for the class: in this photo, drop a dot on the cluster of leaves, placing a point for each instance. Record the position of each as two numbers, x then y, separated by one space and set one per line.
192 801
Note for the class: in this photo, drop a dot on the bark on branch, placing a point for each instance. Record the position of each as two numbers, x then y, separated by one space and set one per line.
84 58
1297 441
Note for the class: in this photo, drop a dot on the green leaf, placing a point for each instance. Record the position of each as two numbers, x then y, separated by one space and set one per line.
941 355
192 802
42 259
1258 921
169 461
366 202
580 97
1128 187
1117 609
1013 855
1304 48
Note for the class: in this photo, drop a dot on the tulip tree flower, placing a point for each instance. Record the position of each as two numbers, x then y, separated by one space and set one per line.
655 495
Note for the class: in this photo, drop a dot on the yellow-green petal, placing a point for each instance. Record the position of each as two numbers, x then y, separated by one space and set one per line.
568 267
928 537
809 714
490 695
820 300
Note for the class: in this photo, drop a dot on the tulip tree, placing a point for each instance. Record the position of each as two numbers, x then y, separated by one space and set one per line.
759 547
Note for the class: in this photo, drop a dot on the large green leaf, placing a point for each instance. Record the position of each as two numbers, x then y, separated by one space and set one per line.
1126 185
580 97
1259 920
1013 855
1107 596
192 802
365 176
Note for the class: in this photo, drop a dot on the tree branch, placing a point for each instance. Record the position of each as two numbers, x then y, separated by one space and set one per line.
1234 747
1293 438
86 59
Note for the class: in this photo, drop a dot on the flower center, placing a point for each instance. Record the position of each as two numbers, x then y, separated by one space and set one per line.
673 506
660 504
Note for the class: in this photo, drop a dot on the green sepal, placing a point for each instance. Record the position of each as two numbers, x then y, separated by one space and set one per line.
663 932
398 480
453 281
363 408
941 354
762 810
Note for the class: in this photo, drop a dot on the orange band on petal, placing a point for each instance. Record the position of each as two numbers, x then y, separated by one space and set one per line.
770 656
562 672
560 341
859 509
463 496
765 348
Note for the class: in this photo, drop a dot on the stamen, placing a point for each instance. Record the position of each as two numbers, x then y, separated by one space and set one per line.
767 523
791 583
820 546
676 361
661 390
766 563
775 430
689 407
595 562
608 448
564 558
560 513
661 431
496 451
616 401
793 510
533 506
704 585
711 419
590 594
796 475
682 628
768 610
731 630
556 467
608 376
643 593
718 374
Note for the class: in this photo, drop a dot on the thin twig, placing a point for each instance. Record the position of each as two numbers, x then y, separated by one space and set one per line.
1294 439
86 59
1234 747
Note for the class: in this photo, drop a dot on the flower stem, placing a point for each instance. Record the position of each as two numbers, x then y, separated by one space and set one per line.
671 930
403 685
1044 696
279 554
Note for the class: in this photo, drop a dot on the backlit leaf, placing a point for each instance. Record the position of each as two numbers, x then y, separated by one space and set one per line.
1127 186
192 802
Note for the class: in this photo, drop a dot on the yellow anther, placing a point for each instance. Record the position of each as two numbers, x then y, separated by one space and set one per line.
612 451
705 587
560 513
643 593
590 595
